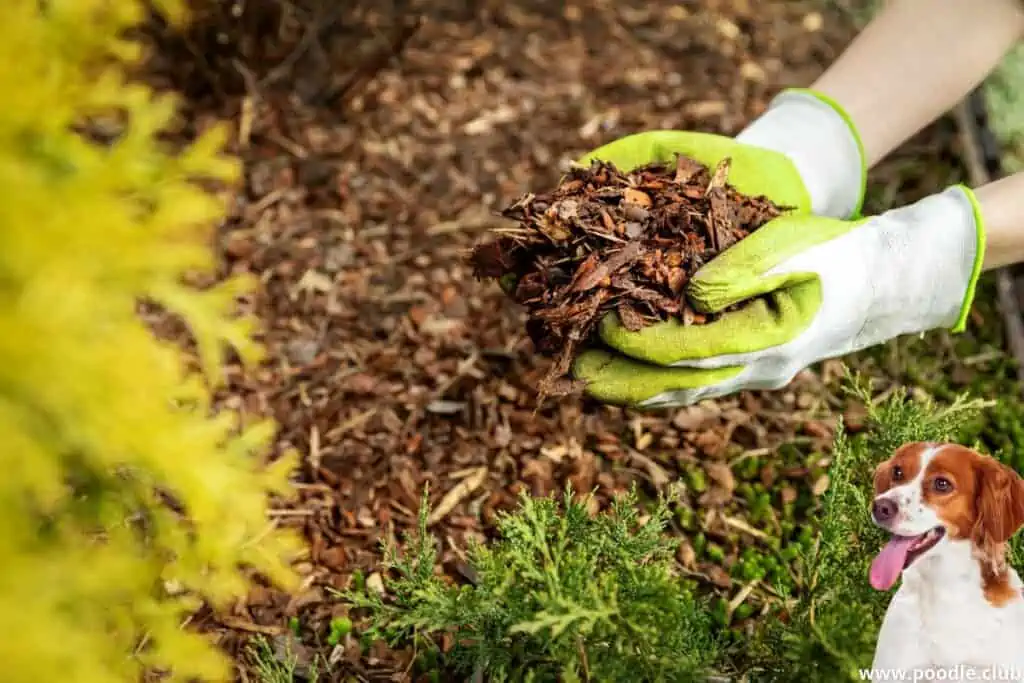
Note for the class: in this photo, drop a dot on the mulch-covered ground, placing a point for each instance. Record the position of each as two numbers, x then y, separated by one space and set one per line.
380 140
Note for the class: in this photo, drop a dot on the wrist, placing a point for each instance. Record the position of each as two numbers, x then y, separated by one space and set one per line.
819 138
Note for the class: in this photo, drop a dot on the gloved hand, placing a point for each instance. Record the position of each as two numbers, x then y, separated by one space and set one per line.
832 284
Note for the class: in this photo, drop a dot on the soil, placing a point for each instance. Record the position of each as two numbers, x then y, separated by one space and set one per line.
380 140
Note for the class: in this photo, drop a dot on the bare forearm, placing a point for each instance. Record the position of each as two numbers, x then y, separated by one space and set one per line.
1002 212
915 61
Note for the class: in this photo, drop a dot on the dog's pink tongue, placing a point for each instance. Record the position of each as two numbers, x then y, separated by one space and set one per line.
889 563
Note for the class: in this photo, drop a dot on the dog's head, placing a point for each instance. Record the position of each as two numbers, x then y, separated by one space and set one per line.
929 494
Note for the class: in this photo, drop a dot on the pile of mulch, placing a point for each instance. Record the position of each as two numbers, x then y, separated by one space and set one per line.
607 240
390 366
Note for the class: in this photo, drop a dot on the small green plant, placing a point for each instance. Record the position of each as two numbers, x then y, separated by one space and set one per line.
280 665
340 627
562 595
832 627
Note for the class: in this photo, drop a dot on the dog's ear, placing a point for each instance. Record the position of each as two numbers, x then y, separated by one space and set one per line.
999 503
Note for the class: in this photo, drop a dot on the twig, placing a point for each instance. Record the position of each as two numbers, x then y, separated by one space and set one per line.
351 423
366 72
982 358
289 512
245 120
583 658
744 527
309 37
315 454
251 627
655 472
752 453
458 493
741 596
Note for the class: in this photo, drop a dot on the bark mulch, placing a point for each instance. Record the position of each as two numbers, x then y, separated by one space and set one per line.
381 139
608 239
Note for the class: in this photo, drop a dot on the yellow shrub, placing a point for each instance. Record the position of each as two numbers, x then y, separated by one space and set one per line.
100 420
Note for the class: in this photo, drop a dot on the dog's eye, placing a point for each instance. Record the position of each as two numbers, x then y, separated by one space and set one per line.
897 473
942 484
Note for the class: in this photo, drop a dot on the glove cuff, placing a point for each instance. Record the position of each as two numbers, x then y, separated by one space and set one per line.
817 135
979 256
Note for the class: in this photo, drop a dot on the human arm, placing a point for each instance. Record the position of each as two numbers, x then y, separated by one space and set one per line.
815 287
913 62
1002 205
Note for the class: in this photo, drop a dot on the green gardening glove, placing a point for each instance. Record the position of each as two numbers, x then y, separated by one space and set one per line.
817 283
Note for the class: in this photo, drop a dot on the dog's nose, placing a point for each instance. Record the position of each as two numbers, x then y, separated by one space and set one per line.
884 509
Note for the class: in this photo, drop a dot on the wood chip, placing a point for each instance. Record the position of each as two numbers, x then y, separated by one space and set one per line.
457 494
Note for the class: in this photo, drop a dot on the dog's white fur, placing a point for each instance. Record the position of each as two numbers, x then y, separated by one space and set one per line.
939 620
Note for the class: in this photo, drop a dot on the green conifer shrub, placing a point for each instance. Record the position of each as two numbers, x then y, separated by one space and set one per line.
561 596
126 495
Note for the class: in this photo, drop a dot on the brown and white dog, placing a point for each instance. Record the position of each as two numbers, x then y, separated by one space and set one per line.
960 609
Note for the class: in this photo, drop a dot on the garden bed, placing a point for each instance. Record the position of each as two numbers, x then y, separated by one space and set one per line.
373 165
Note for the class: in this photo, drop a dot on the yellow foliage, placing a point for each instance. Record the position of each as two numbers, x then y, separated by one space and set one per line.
99 418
